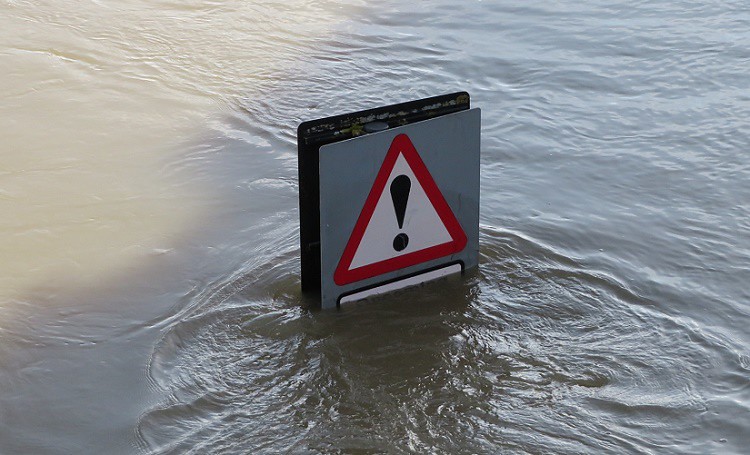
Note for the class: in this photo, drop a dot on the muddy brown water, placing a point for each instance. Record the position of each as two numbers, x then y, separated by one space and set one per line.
149 288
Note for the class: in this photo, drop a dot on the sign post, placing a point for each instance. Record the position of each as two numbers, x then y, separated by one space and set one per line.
394 198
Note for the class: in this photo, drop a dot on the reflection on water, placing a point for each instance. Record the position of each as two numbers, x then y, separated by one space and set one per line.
149 289
100 103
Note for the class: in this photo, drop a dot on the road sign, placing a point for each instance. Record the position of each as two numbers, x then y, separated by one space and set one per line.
412 204
389 197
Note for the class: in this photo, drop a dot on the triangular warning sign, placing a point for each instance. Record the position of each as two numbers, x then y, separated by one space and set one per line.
405 220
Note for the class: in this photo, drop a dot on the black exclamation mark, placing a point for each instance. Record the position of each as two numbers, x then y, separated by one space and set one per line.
400 187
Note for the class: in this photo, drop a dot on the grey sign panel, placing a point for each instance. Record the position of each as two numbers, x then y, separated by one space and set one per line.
399 203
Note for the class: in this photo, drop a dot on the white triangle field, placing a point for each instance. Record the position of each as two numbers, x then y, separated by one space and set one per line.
422 224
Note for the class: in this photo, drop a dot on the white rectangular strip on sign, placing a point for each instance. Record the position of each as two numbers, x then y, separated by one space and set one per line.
401 284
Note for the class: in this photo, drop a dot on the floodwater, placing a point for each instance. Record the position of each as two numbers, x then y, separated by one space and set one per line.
149 262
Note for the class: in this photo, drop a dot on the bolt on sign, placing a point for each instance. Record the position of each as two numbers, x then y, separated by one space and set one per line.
389 197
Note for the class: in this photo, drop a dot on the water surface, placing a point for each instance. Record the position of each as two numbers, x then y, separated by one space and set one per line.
149 289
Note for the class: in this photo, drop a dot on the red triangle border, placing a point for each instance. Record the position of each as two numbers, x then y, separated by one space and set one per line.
401 145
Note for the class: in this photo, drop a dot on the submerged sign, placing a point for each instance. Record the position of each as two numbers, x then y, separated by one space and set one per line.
395 207
413 204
